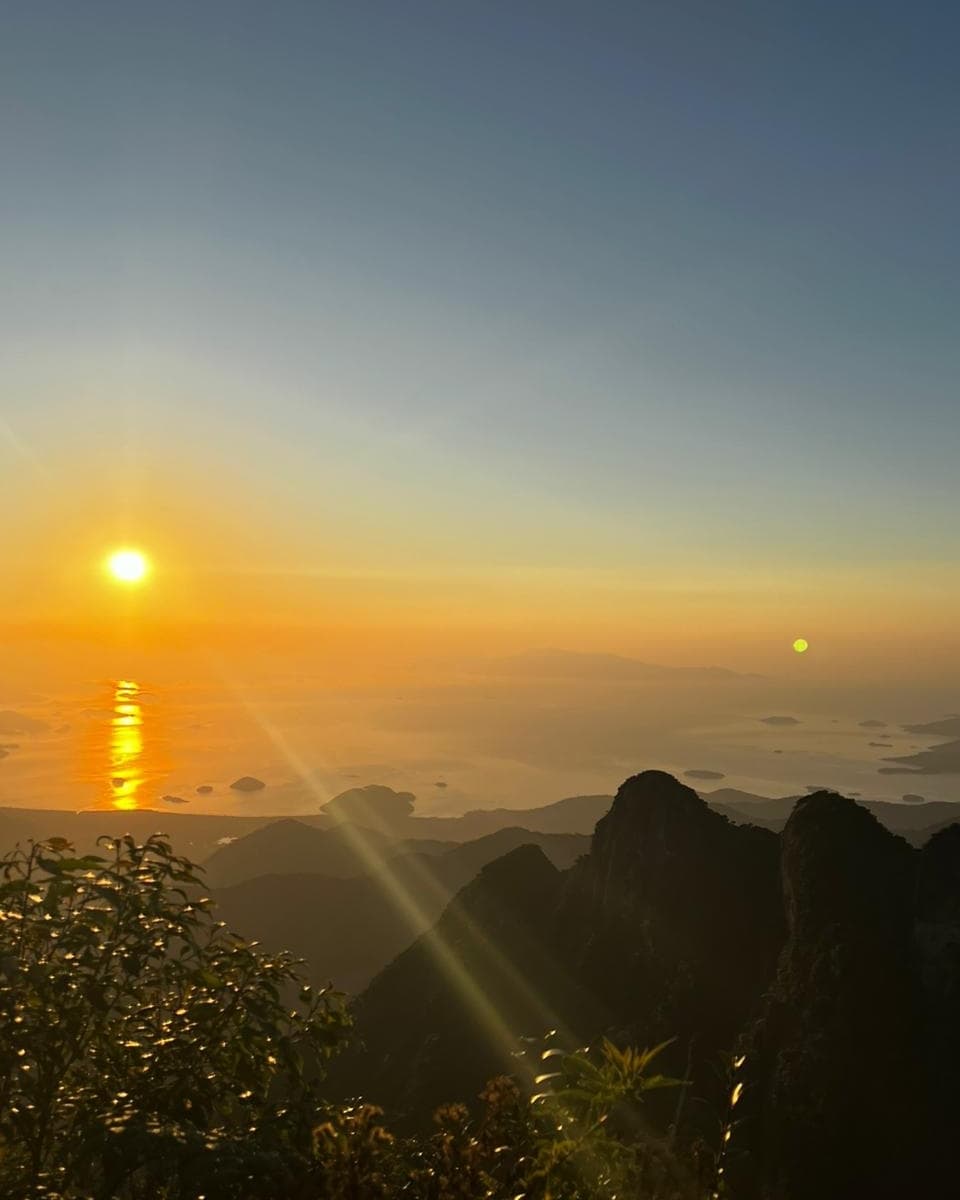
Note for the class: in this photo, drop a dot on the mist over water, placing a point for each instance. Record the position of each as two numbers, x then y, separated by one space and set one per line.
466 743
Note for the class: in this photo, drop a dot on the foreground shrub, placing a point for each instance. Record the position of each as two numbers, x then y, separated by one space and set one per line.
142 1045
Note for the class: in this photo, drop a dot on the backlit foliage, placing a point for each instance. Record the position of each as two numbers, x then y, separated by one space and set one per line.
143 1045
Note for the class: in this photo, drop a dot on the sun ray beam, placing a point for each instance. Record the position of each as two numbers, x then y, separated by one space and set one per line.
506 1042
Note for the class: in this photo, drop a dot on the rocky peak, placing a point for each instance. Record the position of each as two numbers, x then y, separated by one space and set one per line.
662 848
843 872
652 795
675 916
654 820
833 1061
521 885
522 868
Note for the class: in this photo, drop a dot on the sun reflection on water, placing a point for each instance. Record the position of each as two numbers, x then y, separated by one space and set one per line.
124 754
126 744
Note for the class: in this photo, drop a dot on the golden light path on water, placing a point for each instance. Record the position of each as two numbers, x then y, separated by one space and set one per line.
126 745
123 754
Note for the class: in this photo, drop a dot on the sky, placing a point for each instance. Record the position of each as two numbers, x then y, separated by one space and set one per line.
388 329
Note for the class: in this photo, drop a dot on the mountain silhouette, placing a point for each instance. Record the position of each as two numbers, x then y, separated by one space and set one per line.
289 847
379 910
566 664
857 1044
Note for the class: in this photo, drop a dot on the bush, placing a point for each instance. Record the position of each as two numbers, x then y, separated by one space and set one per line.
142 1045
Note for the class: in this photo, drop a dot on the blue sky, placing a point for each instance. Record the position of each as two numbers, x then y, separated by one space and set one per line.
562 283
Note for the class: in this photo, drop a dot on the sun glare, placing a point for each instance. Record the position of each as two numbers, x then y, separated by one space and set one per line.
128 566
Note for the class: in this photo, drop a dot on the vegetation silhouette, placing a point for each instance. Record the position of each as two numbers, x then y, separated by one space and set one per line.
145 1049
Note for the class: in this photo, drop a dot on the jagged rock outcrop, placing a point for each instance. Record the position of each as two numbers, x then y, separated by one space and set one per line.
834 1101
675 915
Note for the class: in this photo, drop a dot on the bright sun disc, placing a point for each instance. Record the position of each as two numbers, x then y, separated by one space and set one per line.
801 645
128 566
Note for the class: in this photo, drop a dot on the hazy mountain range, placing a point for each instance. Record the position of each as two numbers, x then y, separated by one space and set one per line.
551 663
373 900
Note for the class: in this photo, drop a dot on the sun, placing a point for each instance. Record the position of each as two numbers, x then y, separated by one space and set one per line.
801 645
128 566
